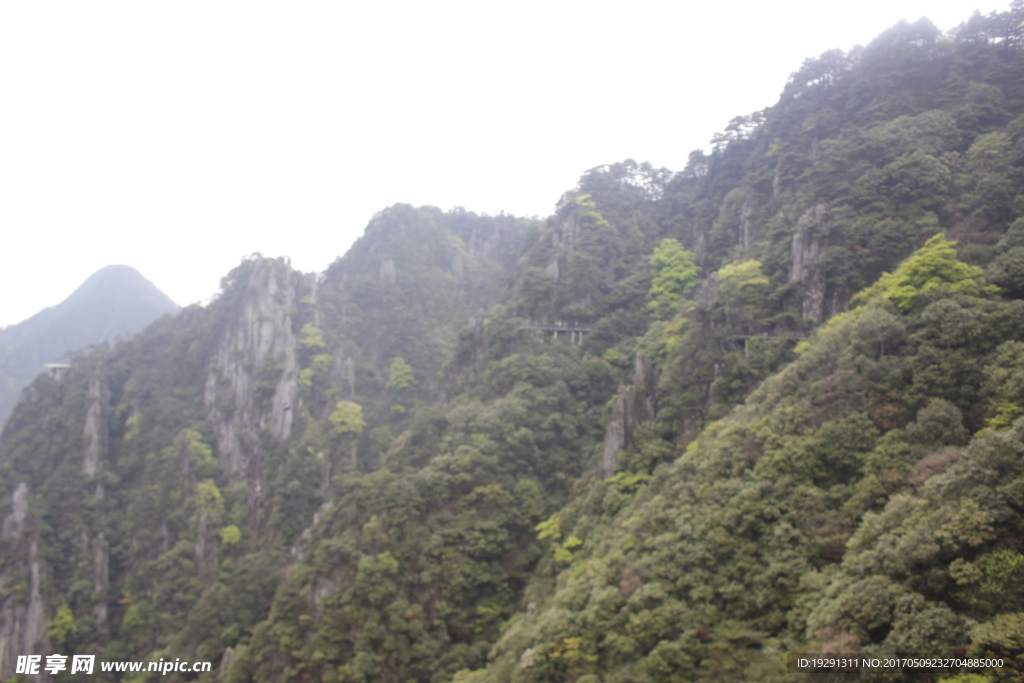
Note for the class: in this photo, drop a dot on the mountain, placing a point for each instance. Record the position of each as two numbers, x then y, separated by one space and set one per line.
113 301
691 422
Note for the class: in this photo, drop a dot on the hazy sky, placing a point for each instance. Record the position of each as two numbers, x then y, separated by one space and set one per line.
178 137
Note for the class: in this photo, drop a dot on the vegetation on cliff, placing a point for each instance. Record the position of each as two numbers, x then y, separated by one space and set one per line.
645 439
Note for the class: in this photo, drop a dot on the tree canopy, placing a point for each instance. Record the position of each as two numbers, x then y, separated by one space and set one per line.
347 418
673 276
932 266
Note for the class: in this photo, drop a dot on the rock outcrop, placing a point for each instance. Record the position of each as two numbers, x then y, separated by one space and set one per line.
808 247
23 627
205 553
563 240
100 580
633 406
252 384
388 273
745 212
96 431
14 522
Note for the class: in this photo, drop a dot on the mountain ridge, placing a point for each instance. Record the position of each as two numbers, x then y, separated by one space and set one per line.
392 471
114 300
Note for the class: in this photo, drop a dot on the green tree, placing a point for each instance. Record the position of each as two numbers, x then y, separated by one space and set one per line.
741 292
62 628
673 276
312 337
347 418
402 381
230 534
1001 638
208 497
400 377
932 266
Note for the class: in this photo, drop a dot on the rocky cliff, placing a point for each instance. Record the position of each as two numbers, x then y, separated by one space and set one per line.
252 382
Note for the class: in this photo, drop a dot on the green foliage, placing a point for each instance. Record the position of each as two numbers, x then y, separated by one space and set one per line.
319 365
1001 638
312 337
673 276
230 535
400 377
650 447
62 627
1005 385
806 483
628 482
932 266
587 211
827 500
1007 269
347 418
742 288
208 496
549 528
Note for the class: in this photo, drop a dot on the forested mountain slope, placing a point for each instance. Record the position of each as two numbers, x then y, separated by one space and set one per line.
843 508
173 473
654 437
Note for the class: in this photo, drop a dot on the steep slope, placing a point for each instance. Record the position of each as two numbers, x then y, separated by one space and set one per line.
785 238
481 448
156 482
113 301
844 508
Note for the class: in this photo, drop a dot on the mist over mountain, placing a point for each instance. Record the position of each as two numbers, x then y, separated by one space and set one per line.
115 300
691 422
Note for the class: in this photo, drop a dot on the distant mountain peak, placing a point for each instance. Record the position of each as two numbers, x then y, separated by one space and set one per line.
114 301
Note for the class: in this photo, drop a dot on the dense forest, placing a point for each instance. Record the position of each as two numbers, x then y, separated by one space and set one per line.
693 421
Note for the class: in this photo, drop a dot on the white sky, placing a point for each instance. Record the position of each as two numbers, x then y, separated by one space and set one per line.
177 137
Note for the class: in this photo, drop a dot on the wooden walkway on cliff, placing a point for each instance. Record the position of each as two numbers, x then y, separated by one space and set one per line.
575 331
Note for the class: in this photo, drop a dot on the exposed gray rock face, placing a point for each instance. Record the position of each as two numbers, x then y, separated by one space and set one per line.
807 249
634 405
708 290
225 661
23 627
100 579
36 623
458 268
343 371
745 211
840 301
96 431
563 240
496 242
205 554
387 270
14 522
321 589
252 385
13 615
12 623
